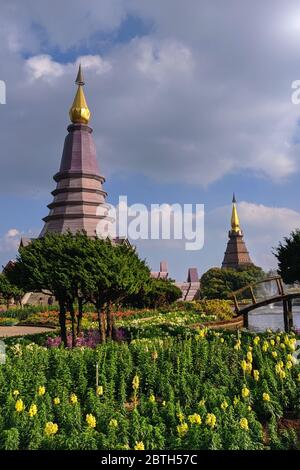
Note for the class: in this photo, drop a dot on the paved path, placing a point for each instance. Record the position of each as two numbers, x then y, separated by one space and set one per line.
7 331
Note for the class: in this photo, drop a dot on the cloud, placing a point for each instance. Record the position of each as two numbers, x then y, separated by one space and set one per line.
44 67
10 241
168 105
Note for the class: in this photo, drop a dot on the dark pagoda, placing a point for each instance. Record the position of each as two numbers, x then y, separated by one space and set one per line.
236 255
79 199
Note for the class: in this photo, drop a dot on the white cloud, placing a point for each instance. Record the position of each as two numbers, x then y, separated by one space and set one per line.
12 233
42 66
10 241
169 105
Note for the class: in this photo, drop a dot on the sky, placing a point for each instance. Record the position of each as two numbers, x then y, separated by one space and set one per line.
190 102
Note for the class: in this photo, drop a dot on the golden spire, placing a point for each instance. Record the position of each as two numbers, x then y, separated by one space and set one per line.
235 222
79 111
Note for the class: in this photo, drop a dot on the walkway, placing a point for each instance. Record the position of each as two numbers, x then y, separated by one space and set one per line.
8 331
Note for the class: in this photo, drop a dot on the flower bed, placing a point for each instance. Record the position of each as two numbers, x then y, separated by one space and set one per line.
215 390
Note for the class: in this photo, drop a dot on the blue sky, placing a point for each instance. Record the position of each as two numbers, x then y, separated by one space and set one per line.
189 103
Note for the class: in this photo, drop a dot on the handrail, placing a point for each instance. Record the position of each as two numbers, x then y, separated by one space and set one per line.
278 280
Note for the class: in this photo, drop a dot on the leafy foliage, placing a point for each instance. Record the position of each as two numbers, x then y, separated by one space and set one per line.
155 293
218 283
9 291
152 393
288 256
78 269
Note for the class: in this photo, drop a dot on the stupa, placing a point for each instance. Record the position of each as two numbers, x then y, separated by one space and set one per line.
79 201
236 254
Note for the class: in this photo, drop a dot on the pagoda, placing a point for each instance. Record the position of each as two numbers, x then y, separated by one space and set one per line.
236 254
78 199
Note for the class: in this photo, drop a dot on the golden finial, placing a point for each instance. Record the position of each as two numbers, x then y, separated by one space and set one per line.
79 111
235 222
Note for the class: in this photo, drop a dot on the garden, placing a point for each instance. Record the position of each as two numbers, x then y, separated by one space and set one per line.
205 390
128 366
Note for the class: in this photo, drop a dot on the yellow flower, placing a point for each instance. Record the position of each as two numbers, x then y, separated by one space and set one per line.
272 342
99 391
16 393
274 354
50 428
265 346
163 403
201 333
135 382
154 355
286 339
222 340
73 398
282 345
56 401
277 339
202 402
266 397
211 420
195 419
249 367
182 429
19 406
289 364
113 423
236 400
91 420
282 374
244 424
256 340
237 345
139 446
279 370
292 344
224 405
41 390
249 408
256 375
245 392
32 410
249 356
244 365
180 416
152 398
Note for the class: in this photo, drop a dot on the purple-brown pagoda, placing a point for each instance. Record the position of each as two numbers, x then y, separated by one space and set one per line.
79 199
236 254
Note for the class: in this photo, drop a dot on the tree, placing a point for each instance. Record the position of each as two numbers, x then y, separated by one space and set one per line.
156 293
116 272
288 256
218 283
9 291
76 268
54 263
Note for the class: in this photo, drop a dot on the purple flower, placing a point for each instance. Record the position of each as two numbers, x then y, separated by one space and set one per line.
88 338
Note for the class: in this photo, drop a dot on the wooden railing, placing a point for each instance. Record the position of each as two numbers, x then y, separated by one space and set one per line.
249 289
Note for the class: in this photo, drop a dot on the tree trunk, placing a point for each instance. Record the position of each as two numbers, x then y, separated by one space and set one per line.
101 322
109 320
79 316
72 313
62 323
